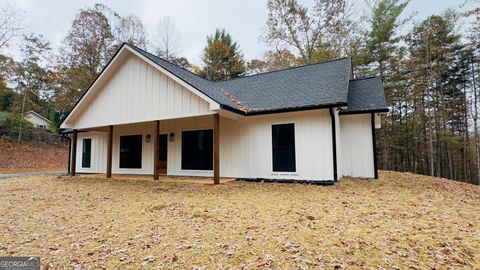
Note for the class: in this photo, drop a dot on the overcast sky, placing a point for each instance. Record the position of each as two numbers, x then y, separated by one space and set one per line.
194 19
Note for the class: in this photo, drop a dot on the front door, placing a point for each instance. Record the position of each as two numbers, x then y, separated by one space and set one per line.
162 153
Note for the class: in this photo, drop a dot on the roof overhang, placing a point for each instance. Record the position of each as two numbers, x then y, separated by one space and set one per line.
286 109
384 110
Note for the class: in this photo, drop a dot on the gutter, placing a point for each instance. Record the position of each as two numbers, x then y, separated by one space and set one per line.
374 146
334 144
385 110
283 110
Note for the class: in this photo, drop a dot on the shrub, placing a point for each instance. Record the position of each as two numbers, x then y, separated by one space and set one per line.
11 124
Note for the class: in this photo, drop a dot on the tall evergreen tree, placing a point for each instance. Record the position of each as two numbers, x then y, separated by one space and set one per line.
222 58
383 35
433 46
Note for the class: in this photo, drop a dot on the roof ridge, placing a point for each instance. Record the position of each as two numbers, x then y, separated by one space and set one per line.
241 77
189 71
285 69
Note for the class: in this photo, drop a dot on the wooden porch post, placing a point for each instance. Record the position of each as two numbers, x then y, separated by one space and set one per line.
155 150
216 149
109 151
74 152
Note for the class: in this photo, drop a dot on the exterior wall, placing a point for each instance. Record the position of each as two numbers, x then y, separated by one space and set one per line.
137 92
36 121
147 147
98 162
100 144
174 148
245 146
357 147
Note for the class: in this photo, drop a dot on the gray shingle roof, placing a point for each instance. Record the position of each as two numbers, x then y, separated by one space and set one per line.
205 86
306 86
316 85
366 94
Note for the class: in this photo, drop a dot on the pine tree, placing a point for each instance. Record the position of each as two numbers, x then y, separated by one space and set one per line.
222 58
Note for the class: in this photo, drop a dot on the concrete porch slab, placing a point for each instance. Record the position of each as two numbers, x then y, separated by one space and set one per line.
162 178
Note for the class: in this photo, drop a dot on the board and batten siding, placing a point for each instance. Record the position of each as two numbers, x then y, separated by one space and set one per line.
98 161
138 92
100 144
245 146
357 146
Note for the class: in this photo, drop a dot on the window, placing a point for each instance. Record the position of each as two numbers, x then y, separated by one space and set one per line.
131 152
86 152
283 146
197 150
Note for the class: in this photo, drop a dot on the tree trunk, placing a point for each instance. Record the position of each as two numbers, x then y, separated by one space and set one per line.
475 121
23 112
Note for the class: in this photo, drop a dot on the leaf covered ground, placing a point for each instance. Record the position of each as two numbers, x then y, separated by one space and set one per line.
402 221
29 157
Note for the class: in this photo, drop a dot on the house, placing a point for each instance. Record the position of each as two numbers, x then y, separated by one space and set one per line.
37 120
144 115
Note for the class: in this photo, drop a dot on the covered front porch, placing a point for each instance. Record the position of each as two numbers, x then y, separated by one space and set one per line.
183 147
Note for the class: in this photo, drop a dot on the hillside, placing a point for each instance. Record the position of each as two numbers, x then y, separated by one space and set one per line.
27 157
401 221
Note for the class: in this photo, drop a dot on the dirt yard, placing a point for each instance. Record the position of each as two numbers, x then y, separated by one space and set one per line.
402 221
27 157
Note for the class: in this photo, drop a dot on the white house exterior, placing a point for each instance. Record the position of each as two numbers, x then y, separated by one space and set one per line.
143 115
37 120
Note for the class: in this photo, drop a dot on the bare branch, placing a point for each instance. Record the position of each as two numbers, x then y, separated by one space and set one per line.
10 23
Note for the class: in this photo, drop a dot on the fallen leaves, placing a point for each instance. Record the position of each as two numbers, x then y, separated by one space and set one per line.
400 221
28 157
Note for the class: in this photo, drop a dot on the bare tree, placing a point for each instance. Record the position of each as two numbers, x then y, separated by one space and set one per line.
471 12
321 33
10 22
130 29
167 38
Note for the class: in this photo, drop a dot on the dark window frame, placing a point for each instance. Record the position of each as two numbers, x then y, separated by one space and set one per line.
87 157
135 153
284 158
200 159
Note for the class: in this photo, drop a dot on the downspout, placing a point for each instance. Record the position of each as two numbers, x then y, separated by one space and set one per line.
374 144
69 150
334 144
